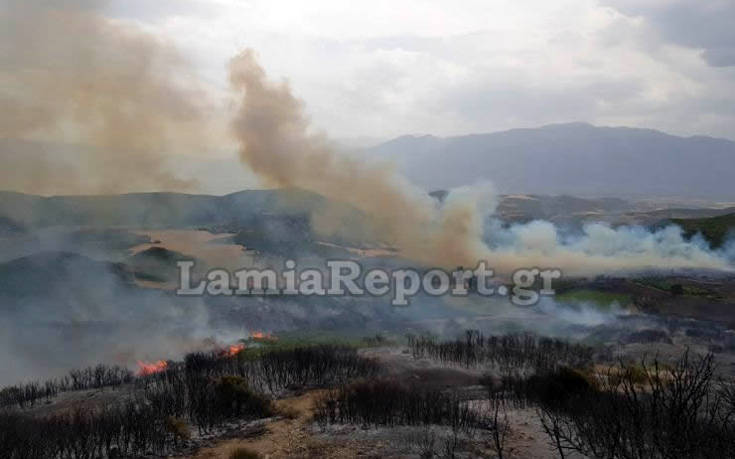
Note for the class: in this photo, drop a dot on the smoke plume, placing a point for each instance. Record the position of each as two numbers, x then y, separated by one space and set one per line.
121 97
276 143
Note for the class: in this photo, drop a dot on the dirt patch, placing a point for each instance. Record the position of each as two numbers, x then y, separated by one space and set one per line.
213 249
283 437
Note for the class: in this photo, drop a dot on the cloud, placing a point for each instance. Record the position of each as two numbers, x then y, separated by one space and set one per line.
371 69
427 67
702 25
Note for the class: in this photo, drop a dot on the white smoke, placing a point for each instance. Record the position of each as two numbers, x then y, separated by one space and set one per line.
601 248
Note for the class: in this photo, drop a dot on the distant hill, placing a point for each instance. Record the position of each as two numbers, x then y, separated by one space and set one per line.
61 284
232 212
153 209
558 208
715 230
278 216
575 158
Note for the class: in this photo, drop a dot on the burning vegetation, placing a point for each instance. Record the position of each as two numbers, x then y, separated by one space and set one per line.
233 350
145 369
263 336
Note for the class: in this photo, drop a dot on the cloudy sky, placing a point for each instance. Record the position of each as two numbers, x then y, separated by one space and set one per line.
381 68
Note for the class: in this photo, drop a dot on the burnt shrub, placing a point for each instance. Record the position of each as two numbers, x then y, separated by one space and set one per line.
234 398
645 410
124 430
676 289
205 390
390 403
312 366
553 388
97 377
521 351
276 370
630 410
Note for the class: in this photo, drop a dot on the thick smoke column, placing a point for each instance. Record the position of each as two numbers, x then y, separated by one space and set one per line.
276 143
71 75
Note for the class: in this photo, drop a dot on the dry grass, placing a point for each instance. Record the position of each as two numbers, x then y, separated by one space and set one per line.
288 409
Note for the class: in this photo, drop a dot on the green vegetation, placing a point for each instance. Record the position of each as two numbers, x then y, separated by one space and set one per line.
289 340
255 349
356 339
693 290
675 288
657 283
714 229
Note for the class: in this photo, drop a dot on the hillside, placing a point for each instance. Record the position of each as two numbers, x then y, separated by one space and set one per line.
154 209
572 158
714 229
284 215
230 212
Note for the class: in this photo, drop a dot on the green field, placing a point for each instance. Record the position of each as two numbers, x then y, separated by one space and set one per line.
298 338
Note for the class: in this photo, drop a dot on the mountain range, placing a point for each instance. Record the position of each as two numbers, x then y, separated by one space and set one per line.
576 158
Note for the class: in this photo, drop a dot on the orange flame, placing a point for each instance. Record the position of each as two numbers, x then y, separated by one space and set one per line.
233 350
258 335
145 369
